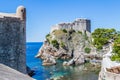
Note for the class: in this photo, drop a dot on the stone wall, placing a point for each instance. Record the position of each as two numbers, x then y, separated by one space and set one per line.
105 75
78 25
13 41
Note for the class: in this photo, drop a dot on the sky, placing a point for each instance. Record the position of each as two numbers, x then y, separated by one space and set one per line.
42 14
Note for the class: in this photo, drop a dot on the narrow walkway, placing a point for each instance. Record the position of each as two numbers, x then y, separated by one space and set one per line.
7 73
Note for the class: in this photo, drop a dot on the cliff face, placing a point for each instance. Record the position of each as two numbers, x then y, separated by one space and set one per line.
65 44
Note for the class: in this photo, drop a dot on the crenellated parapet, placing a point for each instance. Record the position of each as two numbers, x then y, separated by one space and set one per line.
78 25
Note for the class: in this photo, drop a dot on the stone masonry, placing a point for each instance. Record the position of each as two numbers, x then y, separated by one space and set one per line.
13 39
78 25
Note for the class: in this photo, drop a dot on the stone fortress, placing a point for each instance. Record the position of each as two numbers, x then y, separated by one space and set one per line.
78 25
13 39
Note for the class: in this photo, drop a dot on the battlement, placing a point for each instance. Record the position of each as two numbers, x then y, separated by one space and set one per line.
20 13
78 25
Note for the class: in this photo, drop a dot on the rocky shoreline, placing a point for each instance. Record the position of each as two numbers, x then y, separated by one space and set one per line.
49 55
74 47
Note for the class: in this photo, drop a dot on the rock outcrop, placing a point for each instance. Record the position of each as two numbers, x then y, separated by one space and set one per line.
64 44
115 69
74 45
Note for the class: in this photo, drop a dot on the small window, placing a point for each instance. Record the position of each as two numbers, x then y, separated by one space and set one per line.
22 11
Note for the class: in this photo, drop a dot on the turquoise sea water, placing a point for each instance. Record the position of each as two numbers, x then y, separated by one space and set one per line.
55 71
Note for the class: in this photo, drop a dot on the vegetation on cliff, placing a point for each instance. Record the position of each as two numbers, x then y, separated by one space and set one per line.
55 44
102 36
73 45
116 48
69 39
65 44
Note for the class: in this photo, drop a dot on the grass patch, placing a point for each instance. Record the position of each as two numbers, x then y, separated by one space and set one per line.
79 32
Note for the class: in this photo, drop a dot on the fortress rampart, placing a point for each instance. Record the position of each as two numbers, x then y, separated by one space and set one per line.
78 25
13 39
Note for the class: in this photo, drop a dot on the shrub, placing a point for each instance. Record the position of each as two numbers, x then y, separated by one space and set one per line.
47 36
115 57
62 44
71 31
64 30
79 32
87 50
55 44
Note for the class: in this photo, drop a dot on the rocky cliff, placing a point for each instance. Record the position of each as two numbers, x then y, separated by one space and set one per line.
70 45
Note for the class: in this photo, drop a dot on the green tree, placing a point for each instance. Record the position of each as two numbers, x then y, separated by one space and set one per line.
101 36
116 47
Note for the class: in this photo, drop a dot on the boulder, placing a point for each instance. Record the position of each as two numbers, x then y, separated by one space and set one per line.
65 63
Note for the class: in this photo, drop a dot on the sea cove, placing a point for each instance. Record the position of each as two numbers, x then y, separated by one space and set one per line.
59 40
82 72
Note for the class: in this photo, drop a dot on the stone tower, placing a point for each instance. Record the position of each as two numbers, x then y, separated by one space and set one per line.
13 39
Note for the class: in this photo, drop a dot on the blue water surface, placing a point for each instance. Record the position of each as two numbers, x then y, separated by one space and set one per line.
32 62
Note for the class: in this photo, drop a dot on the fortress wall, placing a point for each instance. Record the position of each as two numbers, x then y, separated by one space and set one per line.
13 42
54 28
78 25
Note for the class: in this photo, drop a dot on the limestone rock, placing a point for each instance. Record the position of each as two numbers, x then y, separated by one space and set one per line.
65 44
115 69
75 61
